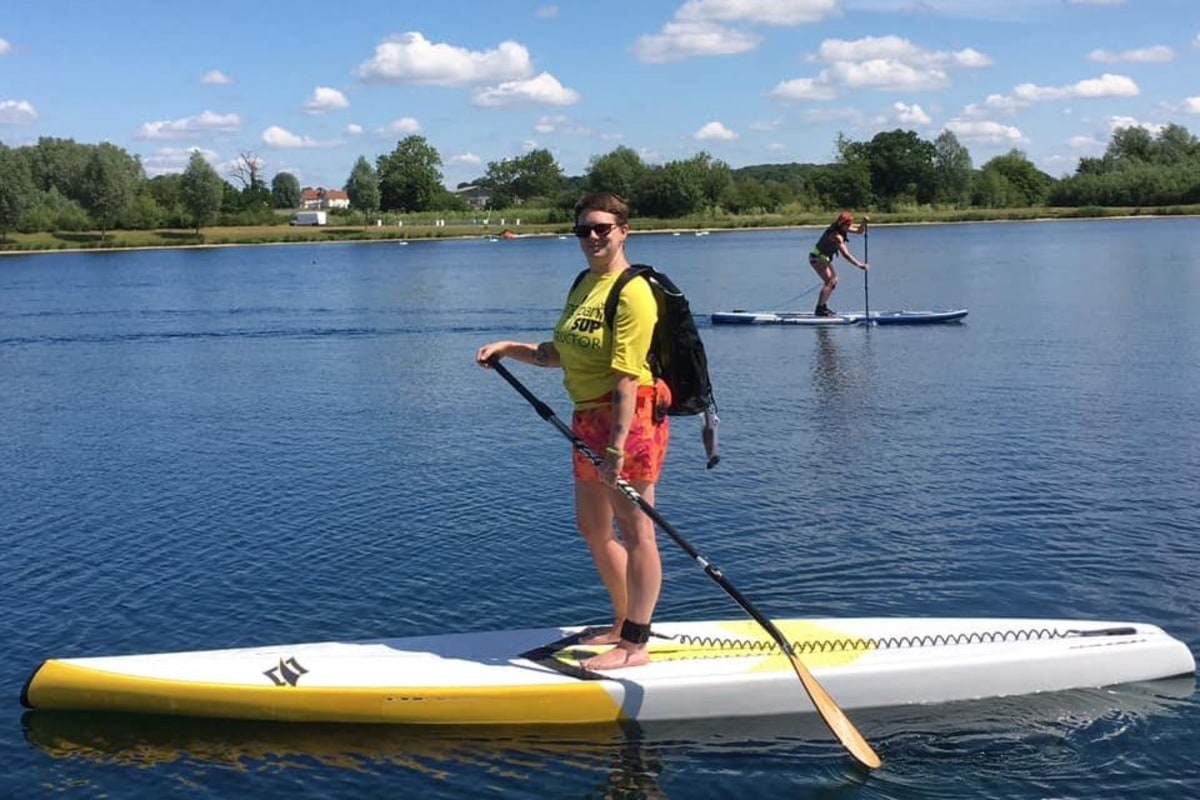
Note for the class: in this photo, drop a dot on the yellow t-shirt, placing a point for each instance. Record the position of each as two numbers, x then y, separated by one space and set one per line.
589 351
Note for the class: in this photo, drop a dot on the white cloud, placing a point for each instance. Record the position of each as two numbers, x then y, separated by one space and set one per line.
1196 42
1004 102
205 122
910 115
1087 143
1143 55
680 40
1107 85
324 99
887 74
549 124
700 27
469 159
714 131
401 125
985 131
17 112
5 47
410 58
886 63
284 139
175 159
762 12
1192 105
1115 123
354 129
970 58
546 12
802 89
542 90
560 123
215 76
765 125
896 48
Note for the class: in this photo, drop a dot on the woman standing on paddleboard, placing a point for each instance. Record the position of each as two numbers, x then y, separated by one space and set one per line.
820 258
620 410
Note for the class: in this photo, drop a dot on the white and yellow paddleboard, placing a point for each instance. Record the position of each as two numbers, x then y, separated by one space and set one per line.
697 670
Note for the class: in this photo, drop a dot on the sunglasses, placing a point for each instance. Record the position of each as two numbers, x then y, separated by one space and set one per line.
601 229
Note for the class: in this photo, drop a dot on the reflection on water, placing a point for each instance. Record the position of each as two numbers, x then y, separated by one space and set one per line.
630 761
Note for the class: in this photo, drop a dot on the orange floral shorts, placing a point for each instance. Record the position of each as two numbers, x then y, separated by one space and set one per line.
646 445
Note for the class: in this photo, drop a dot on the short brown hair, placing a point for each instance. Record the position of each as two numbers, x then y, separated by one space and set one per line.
607 202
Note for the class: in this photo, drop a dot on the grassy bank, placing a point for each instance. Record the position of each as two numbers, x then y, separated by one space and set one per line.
426 229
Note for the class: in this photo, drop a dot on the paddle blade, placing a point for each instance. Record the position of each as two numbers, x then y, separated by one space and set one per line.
835 718
709 435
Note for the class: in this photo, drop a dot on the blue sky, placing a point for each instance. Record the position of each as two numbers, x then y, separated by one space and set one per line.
308 87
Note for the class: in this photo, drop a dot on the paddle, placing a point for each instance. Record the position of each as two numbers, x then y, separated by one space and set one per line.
866 272
830 712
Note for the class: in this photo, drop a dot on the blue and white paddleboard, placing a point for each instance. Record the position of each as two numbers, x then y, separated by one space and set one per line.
742 317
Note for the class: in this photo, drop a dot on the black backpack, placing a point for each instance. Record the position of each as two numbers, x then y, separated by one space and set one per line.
676 351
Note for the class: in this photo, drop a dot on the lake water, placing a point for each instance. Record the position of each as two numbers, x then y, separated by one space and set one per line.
224 447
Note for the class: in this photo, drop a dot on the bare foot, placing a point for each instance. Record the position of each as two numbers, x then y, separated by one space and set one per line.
607 636
623 655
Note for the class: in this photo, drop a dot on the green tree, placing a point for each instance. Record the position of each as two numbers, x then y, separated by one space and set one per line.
672 190
951 170
538 175
16 191
846 183
167 191
1028 186
902 167
109 184
363 187
990 189
619 171
714 177
1132 145
410 177
285 190
58 164
516 180
144 213
1175 146
749 196
201 190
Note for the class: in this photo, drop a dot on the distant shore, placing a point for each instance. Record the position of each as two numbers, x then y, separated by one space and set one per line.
245 236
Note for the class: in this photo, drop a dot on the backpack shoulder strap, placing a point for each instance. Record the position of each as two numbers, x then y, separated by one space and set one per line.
575 284
614 294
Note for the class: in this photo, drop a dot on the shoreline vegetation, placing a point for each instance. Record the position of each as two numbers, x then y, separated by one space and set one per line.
427 227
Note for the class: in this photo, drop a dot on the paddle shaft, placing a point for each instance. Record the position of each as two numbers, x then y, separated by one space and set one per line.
867 272
830 712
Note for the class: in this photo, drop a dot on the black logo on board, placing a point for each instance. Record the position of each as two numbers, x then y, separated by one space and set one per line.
287 673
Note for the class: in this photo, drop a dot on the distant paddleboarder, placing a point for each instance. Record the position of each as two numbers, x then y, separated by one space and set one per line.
831 243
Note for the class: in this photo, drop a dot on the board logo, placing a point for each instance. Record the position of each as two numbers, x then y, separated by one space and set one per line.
287 673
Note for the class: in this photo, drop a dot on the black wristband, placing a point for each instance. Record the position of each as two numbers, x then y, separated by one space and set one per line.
634 632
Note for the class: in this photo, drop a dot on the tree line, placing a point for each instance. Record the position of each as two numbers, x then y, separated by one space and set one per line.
61 185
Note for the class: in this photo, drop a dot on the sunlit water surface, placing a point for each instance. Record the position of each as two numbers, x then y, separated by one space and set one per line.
225 447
